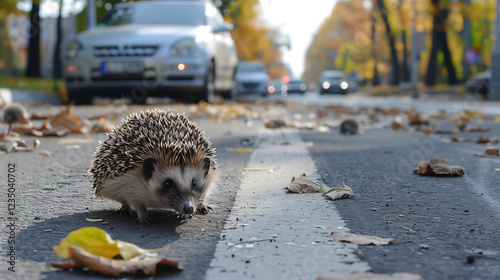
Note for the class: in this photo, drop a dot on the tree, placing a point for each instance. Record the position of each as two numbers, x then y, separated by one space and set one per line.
57 70
33 69
440 13
392 45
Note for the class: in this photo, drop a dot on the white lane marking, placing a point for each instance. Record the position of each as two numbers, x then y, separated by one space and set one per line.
299 223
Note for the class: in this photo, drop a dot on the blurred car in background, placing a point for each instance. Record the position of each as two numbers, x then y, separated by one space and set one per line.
278 87
176 49
479 83
251 77
297 86
333 81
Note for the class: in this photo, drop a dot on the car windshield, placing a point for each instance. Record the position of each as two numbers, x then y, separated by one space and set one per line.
192 15
251 68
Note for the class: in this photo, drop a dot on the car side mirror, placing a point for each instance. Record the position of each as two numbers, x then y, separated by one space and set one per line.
226 26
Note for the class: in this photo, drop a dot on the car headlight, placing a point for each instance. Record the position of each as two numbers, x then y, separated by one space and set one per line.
74 49
183 47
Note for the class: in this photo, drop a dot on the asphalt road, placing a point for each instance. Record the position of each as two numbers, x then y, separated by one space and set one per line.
455 218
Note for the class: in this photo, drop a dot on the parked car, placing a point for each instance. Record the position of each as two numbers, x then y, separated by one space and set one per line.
479 83
333 81
177 49
297 86
278 87
251 77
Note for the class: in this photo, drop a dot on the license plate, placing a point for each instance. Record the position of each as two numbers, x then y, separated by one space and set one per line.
121 67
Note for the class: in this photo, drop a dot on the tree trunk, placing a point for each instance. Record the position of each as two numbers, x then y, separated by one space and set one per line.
376 78
57 64
430 76
406 73
33 69
394 53
452 76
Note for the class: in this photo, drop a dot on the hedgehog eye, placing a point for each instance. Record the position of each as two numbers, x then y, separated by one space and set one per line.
168 183
194 183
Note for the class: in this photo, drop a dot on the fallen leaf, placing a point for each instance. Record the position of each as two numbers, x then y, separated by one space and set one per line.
338 192
102 126
415 120
492 139
93 220
97 241
360 239
477 129
116 268
36 143
459 139
489 152
303 185
66 119
438 167
240 150
373 276
397 126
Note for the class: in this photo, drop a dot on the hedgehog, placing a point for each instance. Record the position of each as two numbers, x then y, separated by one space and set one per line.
155 159
14 113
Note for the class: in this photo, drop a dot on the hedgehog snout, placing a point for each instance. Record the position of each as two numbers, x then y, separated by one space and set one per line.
188 208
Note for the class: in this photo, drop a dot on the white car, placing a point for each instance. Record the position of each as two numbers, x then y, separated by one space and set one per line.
251 77
176 49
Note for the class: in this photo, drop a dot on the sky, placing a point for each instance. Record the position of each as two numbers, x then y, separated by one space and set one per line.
299 19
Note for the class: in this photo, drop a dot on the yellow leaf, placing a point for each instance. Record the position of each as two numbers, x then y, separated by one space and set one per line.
98 242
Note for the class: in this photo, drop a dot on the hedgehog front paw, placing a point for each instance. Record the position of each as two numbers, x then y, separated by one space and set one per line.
203 208
125 210
184 216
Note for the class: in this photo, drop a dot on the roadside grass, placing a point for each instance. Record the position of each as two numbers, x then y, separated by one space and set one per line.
54 86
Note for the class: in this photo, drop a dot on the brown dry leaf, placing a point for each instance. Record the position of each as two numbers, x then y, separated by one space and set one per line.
39 116
482 140
415 120
438 167
360 239
490 152
112 267
477 129
374 276
240 150
102 126
303 185
397 126
459 139
67 120
428 131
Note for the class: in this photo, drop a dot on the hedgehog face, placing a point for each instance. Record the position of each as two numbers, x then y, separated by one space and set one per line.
176 187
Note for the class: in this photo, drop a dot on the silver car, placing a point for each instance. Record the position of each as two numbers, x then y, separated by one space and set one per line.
176 49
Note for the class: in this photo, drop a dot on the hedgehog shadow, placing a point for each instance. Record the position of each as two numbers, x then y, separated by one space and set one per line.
34 242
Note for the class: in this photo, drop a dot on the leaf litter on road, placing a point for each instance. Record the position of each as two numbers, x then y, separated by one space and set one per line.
360 239
94 248
343 191
438 167
303 185
492 151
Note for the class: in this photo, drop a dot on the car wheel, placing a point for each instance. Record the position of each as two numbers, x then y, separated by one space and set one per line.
80 97
207 93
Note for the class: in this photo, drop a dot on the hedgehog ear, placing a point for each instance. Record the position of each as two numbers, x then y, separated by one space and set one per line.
148 166
206 165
